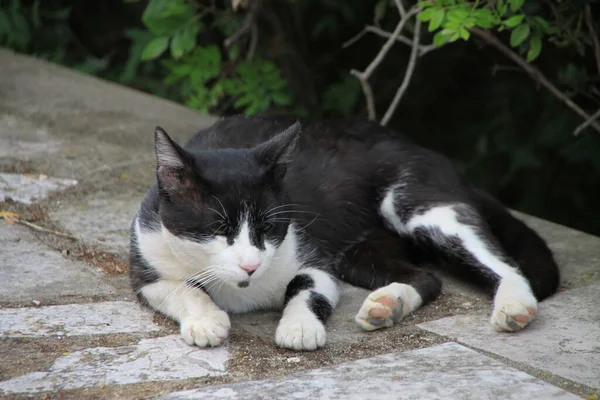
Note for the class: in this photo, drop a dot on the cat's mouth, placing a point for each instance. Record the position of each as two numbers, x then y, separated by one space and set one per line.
244 284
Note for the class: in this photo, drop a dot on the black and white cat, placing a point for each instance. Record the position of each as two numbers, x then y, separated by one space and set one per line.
267 212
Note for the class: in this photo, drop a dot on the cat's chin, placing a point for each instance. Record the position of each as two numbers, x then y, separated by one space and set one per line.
244 284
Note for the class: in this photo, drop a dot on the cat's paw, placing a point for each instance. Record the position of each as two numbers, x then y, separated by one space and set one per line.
513 316
206 330
378 311
514 307
301 333
386 306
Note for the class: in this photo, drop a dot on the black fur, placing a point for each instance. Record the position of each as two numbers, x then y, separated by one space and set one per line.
330 179
299 283
319 305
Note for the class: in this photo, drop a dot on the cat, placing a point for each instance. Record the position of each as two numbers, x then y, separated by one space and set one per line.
257 213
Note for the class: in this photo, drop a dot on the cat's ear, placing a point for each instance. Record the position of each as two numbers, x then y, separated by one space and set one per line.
276 153
172 167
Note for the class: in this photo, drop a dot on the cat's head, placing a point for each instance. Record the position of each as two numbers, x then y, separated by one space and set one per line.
225 211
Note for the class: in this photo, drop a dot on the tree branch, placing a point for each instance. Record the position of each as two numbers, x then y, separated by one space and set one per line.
587 123
423 49
412 62
534 73
400 8
590 24
364 76
246 25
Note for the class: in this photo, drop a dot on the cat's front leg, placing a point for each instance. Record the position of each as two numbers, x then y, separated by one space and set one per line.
202 322
309 300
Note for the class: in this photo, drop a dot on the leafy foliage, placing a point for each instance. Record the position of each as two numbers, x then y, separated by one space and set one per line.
452 20
465 100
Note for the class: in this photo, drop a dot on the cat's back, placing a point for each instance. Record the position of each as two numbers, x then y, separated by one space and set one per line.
240 131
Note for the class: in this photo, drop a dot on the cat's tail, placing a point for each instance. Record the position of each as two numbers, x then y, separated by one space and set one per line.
521 243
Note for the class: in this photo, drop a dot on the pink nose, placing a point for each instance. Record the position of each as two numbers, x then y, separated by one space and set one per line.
250 268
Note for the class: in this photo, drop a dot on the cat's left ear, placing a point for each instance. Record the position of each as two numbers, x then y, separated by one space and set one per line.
172 166
276 153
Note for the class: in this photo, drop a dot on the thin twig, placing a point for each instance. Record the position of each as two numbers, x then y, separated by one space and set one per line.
400 8
410 69
587 123
246 25
39 228
534 73
253 42
368 92
390 42
423 49
354 38
364 76
590 24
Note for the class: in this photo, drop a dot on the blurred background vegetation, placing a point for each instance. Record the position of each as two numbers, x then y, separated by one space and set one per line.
507 133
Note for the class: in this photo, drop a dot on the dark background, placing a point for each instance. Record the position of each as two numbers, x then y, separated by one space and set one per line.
507 133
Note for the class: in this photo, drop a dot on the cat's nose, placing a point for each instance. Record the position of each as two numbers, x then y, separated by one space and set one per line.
250 268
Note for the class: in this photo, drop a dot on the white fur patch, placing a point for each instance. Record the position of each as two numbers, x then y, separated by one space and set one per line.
324 284
299 328
405 301
514 297
217 265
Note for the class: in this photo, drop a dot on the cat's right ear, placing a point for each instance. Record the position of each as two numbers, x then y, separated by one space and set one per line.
172 169
168 153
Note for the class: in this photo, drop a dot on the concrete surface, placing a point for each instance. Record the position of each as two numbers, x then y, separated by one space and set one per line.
165 358
32 271
565 339
76 319
69 126
447 371
27 189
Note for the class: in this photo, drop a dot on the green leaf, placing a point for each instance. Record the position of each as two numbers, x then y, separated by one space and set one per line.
516 5
484 18
535 48
514 21
501 7
442 37
437 17
163 17
155 48
458 15
425 15
543 25
184 41
464 33
519 34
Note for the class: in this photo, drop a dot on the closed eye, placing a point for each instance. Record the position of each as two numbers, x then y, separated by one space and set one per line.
268 226
223 229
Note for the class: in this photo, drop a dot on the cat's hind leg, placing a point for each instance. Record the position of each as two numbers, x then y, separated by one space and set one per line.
448 223
380 263
309 301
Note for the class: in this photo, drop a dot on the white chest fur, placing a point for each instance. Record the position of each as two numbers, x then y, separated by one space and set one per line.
179 259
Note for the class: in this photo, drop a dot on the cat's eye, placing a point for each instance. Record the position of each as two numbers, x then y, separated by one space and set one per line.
223 230
268 226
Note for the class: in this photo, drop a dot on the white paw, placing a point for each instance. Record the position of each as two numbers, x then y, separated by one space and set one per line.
381 309
206 330
513 316
514 307
305 333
